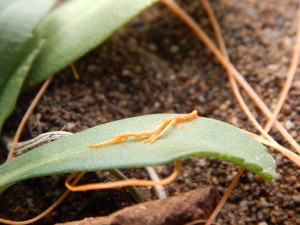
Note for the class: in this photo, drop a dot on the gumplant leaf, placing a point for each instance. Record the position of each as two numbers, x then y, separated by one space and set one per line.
18 18
70 30
78 26
198 137
12 88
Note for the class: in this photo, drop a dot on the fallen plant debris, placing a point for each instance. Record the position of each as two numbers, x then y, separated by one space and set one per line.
178 209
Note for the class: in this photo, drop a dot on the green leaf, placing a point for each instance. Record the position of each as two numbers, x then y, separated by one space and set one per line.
18 49
198 137
11 91
76 27
18 18
70 30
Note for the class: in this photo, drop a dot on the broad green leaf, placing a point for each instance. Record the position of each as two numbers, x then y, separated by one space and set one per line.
198 137
70 30
18 18
78 26
12 88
